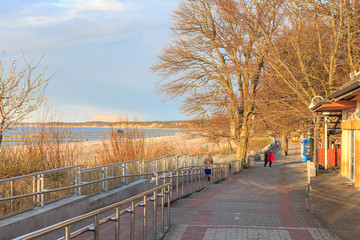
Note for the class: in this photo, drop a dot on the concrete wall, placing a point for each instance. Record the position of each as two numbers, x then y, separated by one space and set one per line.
50 214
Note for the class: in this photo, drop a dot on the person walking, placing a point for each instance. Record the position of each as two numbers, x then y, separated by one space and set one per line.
208 162
270 157
266 158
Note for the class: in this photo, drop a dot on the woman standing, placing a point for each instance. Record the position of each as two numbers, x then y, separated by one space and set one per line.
270 157
208 162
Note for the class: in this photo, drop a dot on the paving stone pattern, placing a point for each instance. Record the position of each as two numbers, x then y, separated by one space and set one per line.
257 203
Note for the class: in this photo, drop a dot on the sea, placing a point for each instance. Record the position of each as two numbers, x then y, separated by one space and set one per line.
18 135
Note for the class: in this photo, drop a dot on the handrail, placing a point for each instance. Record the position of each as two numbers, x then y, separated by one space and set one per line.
191 180
70 187
88 183
37 173
109 165
79 177
185 154
87 215
155 159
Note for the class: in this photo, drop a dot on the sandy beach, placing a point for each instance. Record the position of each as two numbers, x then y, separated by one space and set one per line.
181 142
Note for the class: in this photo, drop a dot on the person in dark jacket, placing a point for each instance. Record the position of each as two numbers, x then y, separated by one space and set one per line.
265 158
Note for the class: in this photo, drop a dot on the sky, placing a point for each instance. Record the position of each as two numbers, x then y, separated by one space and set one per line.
98 51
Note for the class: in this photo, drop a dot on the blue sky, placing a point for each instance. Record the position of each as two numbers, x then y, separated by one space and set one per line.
101 51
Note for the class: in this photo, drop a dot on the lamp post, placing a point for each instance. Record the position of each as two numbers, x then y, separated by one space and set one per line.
326 141
312 101
316 134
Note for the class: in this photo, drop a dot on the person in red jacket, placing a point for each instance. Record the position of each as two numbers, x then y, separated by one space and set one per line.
270 157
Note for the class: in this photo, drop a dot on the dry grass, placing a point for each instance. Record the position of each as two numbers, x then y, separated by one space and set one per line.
133 143
259 141
49 148
43 148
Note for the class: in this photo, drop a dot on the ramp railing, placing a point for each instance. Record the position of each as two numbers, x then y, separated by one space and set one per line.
22 193
147 214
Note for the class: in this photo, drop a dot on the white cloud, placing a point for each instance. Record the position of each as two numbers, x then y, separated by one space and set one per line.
90 5
65 23
65 11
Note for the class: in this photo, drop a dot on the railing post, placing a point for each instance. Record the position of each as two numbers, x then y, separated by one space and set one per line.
176 162
156 179
96 227
11 195
212 175
141 168
154 215
35 190
117 223
104 176
127 173
67 232
187 181
171 181
132 226
168 203
145 218
78 181
38 190
123 172
42 190
72 180
162 210
182 182
191 177
177 183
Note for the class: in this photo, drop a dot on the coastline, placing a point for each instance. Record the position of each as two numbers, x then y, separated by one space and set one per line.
179 125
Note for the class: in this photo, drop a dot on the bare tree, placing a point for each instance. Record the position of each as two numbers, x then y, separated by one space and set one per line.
316 49
22 86
216 59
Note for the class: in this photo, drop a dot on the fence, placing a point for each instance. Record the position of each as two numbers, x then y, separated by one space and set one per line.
19 195
334 157
31 188
170 185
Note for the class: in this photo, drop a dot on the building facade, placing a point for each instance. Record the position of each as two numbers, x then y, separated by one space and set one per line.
346 100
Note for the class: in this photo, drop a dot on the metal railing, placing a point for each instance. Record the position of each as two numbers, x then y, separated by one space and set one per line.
116 216
17 195
169 185
36 184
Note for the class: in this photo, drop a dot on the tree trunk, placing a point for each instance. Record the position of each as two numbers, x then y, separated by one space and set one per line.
1 137
284 143
243 142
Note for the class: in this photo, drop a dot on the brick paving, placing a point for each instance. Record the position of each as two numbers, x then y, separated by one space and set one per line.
257 203
336 203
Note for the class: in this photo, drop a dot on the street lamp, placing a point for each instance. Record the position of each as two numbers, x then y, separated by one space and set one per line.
312 101
316 134
326 139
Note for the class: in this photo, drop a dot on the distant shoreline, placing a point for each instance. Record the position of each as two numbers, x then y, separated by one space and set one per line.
179 125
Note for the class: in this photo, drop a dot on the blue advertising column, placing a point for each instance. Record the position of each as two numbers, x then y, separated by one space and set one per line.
305 150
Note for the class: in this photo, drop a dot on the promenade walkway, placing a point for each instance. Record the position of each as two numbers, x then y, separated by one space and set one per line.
257 203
